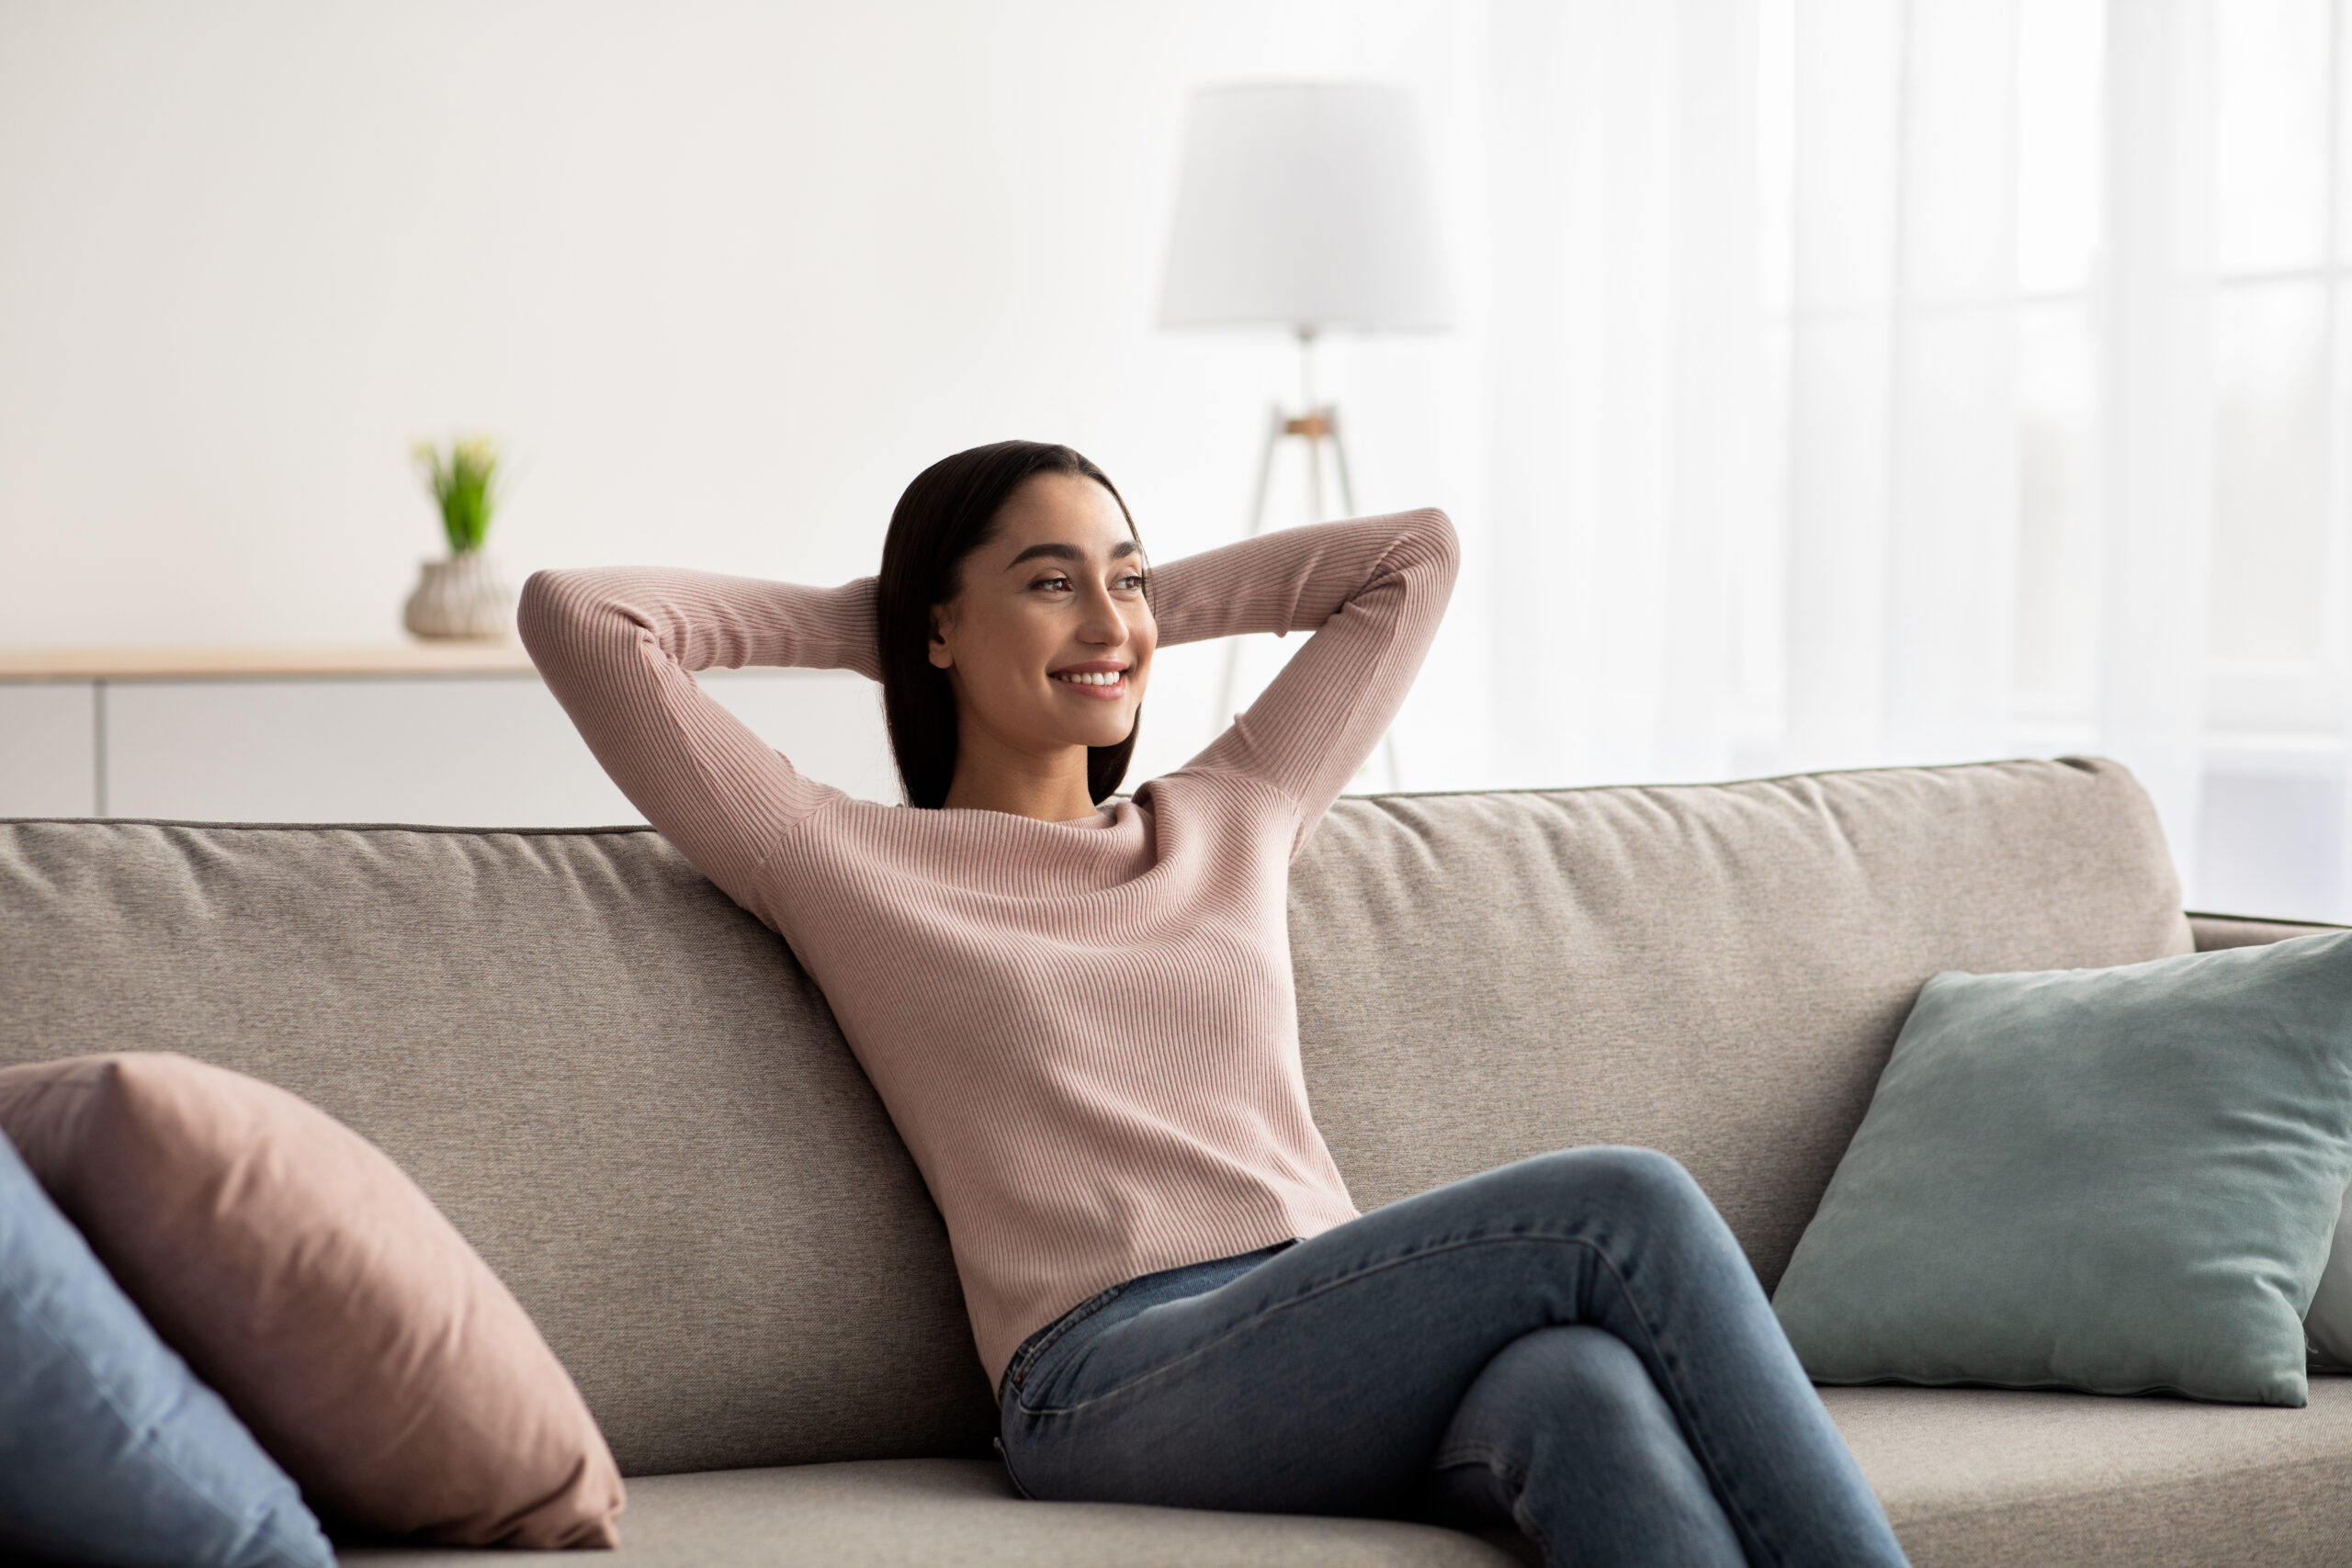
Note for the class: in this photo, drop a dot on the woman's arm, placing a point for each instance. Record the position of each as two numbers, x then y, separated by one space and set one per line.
1373 592
617 648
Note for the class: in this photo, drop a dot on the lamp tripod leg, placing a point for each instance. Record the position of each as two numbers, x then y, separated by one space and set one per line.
1275 425
1319 423
1340 457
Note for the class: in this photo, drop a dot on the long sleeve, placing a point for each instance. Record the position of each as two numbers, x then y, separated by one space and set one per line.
1372 591
618 647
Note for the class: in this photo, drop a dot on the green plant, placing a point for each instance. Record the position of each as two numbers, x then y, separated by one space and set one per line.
463 478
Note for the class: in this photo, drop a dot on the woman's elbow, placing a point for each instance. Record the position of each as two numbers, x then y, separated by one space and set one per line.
551 601
1434 542
537 611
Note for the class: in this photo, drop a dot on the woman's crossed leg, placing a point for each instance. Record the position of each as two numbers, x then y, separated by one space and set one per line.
1574 1342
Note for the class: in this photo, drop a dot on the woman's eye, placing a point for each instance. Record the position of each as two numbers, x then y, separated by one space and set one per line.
1132 582
1054 583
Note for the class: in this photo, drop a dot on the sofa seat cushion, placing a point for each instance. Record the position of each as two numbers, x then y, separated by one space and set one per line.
1976 1478
957 1513
1973 1478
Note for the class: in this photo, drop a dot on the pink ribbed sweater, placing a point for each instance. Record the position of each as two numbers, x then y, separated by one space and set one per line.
1086 1033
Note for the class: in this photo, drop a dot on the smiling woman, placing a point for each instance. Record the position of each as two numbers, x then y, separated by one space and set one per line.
1015 632
1082 1020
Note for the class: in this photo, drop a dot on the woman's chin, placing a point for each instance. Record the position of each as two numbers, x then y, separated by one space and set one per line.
1093 735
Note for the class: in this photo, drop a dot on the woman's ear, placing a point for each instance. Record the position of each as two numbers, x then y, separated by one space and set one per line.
943 621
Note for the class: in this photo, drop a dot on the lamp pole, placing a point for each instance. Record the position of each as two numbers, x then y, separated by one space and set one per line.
1304 205
1315 424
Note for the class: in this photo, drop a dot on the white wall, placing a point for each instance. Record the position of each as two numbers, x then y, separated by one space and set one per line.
724 277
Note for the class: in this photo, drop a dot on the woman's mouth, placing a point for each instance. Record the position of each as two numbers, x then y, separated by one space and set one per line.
1094 682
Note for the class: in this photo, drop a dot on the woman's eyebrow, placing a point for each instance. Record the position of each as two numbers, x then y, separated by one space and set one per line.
1119 551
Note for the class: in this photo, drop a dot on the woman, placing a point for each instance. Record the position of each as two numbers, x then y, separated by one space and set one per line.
1081 1018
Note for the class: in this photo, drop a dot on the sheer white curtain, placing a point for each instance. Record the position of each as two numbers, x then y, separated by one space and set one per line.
1853 373
1631 479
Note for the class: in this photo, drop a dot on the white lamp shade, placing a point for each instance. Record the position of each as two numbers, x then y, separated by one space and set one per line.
1308 206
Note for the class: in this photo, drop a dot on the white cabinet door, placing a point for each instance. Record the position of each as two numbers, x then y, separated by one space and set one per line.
486 750
48 750
477 751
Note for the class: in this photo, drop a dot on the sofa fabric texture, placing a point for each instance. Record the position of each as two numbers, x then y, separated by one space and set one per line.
1971 1478
1995 1478
1716 970
622 1091
614 1083
964 1513
307 1280
2214 933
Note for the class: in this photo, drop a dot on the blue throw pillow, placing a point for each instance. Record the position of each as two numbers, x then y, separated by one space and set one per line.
2122 1181
110 1449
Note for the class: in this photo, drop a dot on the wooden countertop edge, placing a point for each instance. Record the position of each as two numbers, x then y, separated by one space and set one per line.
485 658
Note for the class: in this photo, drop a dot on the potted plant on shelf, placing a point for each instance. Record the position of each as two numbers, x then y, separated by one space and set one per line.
466 595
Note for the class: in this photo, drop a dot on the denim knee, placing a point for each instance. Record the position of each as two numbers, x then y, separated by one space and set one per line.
1643 1182
1573 1373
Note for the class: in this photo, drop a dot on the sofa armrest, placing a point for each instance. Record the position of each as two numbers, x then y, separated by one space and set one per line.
2244 931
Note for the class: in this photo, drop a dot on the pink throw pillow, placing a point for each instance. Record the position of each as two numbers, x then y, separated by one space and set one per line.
310 1281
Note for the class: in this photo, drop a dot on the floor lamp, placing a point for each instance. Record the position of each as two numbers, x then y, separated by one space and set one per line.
1306 207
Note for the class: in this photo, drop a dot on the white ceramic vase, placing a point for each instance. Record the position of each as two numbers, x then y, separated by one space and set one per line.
465 596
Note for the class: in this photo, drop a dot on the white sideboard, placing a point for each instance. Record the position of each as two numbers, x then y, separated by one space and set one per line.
461 734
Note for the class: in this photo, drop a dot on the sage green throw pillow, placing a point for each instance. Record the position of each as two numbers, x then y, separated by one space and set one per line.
2122 1181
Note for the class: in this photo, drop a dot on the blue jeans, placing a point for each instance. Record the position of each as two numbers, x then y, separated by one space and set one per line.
1573 1345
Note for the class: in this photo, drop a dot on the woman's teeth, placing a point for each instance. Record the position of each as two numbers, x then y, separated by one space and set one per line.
1106 678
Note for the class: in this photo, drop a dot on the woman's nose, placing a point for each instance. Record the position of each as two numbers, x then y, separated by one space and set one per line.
1104 626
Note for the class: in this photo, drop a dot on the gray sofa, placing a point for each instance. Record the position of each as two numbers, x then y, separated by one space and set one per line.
625 1093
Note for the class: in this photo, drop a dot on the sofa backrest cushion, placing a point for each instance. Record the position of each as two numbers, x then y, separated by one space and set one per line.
617 1084
627 1097
1717 971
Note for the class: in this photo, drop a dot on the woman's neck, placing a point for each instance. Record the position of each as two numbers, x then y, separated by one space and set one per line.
993 776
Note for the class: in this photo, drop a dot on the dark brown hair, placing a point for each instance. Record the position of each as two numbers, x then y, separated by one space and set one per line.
947 513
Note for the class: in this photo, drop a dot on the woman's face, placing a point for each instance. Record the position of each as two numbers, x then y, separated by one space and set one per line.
1049 642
